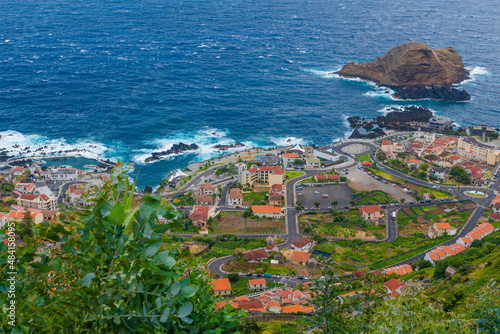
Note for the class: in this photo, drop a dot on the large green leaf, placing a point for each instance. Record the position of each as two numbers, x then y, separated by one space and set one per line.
185 310
87 279
117 214
165 315
151 250
165 259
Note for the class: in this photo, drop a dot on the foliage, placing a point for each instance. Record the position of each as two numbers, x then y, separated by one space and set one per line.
460 175
26 225
112 272
8 186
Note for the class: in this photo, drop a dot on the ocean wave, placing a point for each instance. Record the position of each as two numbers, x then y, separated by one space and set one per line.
288 141
381 92
325 74
20 145
475 72
207 140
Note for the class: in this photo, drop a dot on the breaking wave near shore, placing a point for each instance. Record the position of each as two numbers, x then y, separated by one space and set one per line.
14 144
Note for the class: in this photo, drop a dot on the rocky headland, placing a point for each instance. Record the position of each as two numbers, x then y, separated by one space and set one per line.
175 149
408 118
415 71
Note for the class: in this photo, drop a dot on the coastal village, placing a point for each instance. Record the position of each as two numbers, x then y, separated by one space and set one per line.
291 208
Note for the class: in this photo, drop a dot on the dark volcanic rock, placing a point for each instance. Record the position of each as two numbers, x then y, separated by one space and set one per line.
448 93
408 118
227 147
175 149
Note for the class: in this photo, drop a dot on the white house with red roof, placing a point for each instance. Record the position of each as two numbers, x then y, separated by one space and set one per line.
370 212
267 211
200 214
303 244
394 288
207 189
235 197
17 216
496 208
399 270
386 146
289 159
18 171
438 229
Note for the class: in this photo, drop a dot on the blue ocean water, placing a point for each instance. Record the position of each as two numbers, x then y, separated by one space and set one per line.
122 79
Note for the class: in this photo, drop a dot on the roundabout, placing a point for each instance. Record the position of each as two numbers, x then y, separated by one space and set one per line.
355 148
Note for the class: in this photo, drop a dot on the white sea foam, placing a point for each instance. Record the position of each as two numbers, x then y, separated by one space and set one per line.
288 141
205 138
475 72
329 74
382 92
21 145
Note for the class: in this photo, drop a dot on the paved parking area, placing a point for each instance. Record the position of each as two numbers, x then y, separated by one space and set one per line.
339 192
355 148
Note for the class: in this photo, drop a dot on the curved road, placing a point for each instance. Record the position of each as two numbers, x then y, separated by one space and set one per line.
291 213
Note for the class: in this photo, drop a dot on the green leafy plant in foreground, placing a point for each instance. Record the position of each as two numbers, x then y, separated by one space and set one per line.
105 269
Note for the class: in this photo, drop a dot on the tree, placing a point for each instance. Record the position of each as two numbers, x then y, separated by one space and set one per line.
299 162
402 200
112 272
335 202
316 204
8 186
247 213
26 224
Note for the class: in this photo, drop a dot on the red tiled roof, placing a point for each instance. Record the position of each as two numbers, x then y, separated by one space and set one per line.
256 254
495 216
299 256
299 243
204 199
253 303
386 142
28 197
235 193
291 155
393 284
370 209
18 169
265 209
257 281
276 188
358 273
221 284
454 158
270 247
442 226
200 212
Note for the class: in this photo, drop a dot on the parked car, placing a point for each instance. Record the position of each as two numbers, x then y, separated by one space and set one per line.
267 275
299 194
249 275
393 185
300 277
259 275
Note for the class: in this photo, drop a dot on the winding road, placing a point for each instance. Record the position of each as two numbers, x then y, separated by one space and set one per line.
292 228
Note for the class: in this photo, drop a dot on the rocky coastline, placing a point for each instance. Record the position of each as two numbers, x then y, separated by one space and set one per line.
228 147
415 71
408 118
175 149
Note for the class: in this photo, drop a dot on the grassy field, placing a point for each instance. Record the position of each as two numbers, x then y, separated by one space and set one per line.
374 197
437 193
291 175
383 174
255 198
365 157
